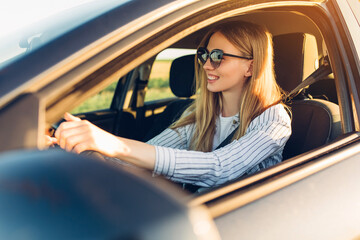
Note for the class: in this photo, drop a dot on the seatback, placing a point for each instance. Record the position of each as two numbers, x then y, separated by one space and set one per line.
182 84
328 84
314 121
288 60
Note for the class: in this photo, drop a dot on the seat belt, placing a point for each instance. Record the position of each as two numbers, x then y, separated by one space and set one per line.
141 84
227 140
323 71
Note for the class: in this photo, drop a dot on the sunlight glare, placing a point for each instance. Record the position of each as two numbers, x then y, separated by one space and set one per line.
17 14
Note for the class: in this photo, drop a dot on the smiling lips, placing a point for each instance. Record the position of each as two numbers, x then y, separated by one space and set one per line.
212 78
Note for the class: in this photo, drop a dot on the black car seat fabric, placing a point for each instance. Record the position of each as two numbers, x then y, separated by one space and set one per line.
182 76
314 121
288 60
182 84
324 89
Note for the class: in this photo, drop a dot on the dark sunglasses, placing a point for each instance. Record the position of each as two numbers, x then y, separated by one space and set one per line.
215 56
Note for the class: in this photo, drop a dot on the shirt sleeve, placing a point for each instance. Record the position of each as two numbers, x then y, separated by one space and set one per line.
265 137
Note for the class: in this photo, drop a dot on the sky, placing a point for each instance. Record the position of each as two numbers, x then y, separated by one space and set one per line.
15 14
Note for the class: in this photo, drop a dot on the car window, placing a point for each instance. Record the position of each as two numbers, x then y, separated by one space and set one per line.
102 100
158 86
37 23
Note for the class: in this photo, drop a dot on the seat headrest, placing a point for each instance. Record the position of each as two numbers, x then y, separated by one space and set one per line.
288 60
295 55
182 76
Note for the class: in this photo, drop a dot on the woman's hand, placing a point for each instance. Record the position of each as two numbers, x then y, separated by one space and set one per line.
78 135
50 141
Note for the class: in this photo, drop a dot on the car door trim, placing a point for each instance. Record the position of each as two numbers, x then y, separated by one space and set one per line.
238 194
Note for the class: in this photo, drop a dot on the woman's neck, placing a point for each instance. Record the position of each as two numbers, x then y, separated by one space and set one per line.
230 104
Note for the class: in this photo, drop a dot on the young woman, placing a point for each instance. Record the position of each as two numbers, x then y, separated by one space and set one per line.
238 92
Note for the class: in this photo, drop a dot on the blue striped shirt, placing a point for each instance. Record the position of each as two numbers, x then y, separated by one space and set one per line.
260 147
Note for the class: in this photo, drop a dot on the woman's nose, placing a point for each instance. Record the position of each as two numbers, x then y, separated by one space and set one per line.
207 65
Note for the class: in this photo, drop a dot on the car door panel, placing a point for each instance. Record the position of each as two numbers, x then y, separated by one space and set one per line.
325 205
119 123
151 112
104 119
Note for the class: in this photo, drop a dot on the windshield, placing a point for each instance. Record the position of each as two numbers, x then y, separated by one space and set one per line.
27 25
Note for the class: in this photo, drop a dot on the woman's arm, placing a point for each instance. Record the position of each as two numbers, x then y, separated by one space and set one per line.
78 135
264 141
260 147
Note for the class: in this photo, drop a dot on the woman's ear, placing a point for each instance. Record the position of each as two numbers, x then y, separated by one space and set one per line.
249 72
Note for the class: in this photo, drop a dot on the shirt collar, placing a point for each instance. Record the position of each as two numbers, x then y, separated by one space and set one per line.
236 120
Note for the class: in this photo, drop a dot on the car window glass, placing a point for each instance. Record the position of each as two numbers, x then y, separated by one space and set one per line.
102 100
27 26
158 86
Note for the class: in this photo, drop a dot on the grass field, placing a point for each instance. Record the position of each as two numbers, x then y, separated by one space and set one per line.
158 88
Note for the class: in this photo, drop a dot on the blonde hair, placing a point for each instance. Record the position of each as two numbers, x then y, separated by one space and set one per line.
259 92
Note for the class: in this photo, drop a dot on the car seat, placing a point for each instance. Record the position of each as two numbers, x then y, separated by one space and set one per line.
314 121
182 84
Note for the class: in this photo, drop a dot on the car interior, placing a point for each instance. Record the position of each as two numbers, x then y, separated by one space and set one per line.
299 50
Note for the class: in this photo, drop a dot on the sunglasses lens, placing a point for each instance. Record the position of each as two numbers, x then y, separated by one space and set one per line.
202 55
216 57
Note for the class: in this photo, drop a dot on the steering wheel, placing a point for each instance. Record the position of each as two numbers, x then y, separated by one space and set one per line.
97 155
93 154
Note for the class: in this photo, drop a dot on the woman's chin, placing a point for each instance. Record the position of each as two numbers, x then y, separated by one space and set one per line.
213 88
